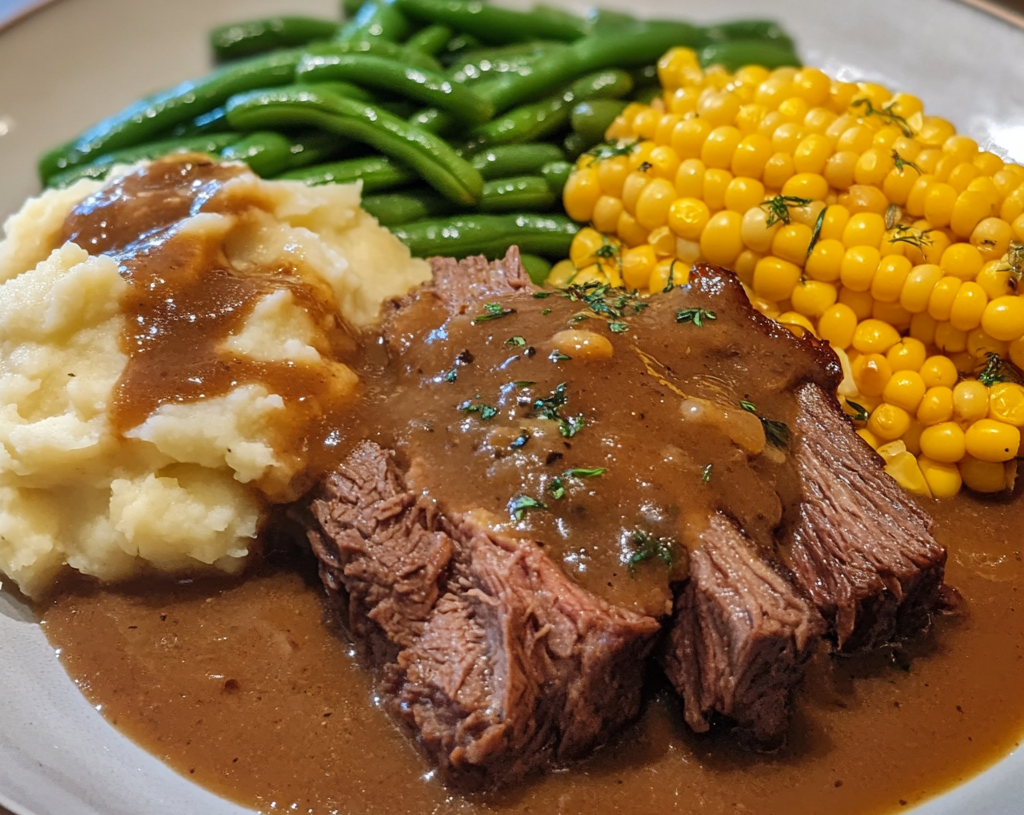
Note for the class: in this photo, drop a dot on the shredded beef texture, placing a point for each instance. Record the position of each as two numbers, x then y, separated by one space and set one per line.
862 549
740 637
489 655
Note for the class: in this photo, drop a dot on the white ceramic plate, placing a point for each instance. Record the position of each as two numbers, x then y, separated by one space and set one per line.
73 62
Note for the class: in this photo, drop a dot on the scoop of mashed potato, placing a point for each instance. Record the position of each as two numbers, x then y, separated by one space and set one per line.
188 486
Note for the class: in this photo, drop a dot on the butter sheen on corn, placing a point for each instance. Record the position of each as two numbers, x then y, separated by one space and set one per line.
847 212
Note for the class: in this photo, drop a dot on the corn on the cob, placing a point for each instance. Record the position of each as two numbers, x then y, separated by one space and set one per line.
847 212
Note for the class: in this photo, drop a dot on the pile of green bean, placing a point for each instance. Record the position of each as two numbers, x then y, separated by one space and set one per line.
460 118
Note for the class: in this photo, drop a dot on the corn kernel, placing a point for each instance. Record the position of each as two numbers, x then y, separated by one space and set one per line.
943 479
873 166
991 237
960 177
688 137
940 303
892 313
840 167
905 471
719 147
774 278
874 337
970 400
787 136
936 405
908 354
791 243
721 243
756 233
918 287
751 155
856 139
992 440
943 442
744 266
811 186
1003 318
888 422
970 209
983 476
778 170
864 198
968 307
636 181
980 345
939 370
826 260
922 327
938 203
837 325
719 107
664 162
653 202
606 214
889 278
1006 403
994 278
918 194
961 260
581 193
871 373
812 297
870 438
716 182
899 183
637 265
743 193
860 301
858 267
1016 352
630 231
611 174
949 340
690 178
561 274
796 323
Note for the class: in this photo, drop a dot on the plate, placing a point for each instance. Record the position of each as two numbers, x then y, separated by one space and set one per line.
70 63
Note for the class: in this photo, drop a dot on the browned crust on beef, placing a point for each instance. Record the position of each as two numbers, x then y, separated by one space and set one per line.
862 548
740 638
492 659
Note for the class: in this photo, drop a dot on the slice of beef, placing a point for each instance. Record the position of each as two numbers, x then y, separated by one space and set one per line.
862 549
490 656
740 637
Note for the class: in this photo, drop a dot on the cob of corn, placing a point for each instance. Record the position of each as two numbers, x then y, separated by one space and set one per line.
846 212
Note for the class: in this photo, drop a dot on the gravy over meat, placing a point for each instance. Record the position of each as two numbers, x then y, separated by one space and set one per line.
238 685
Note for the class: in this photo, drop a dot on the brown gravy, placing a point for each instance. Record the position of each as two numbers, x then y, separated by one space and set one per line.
238 686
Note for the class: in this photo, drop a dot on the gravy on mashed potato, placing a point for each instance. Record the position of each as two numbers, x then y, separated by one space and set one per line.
172 354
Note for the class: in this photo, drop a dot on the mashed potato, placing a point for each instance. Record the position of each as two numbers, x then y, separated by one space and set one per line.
188 486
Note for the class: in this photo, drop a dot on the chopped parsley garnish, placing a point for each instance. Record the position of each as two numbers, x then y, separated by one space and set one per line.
645 166
493 311
520 441
518 507
777 433
777 208
486 411
540 295
650 546
860 413
904 162
556 487
515 342
993 372
609 150
816 232
907 234
671 282
748 406
605 300
697 316
705 475
465 357
523 383
550 407
617 327
585 472
558 356
886 114
452 375
545 312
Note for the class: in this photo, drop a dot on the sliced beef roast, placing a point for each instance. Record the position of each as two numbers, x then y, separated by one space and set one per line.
549 478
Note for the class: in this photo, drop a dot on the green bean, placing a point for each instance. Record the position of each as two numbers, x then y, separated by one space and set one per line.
559 16
493 62
315 148
537 268
212 144
377 173
607 21
592 118
430 40
766 30
265 152
213 121
437 163
515 159
576 145
376 19
434 121
631 49
422 86
457 46
464 235
378 48
524 192
734 54
556 174
535 121
491 24
405 206
150 117
251 37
